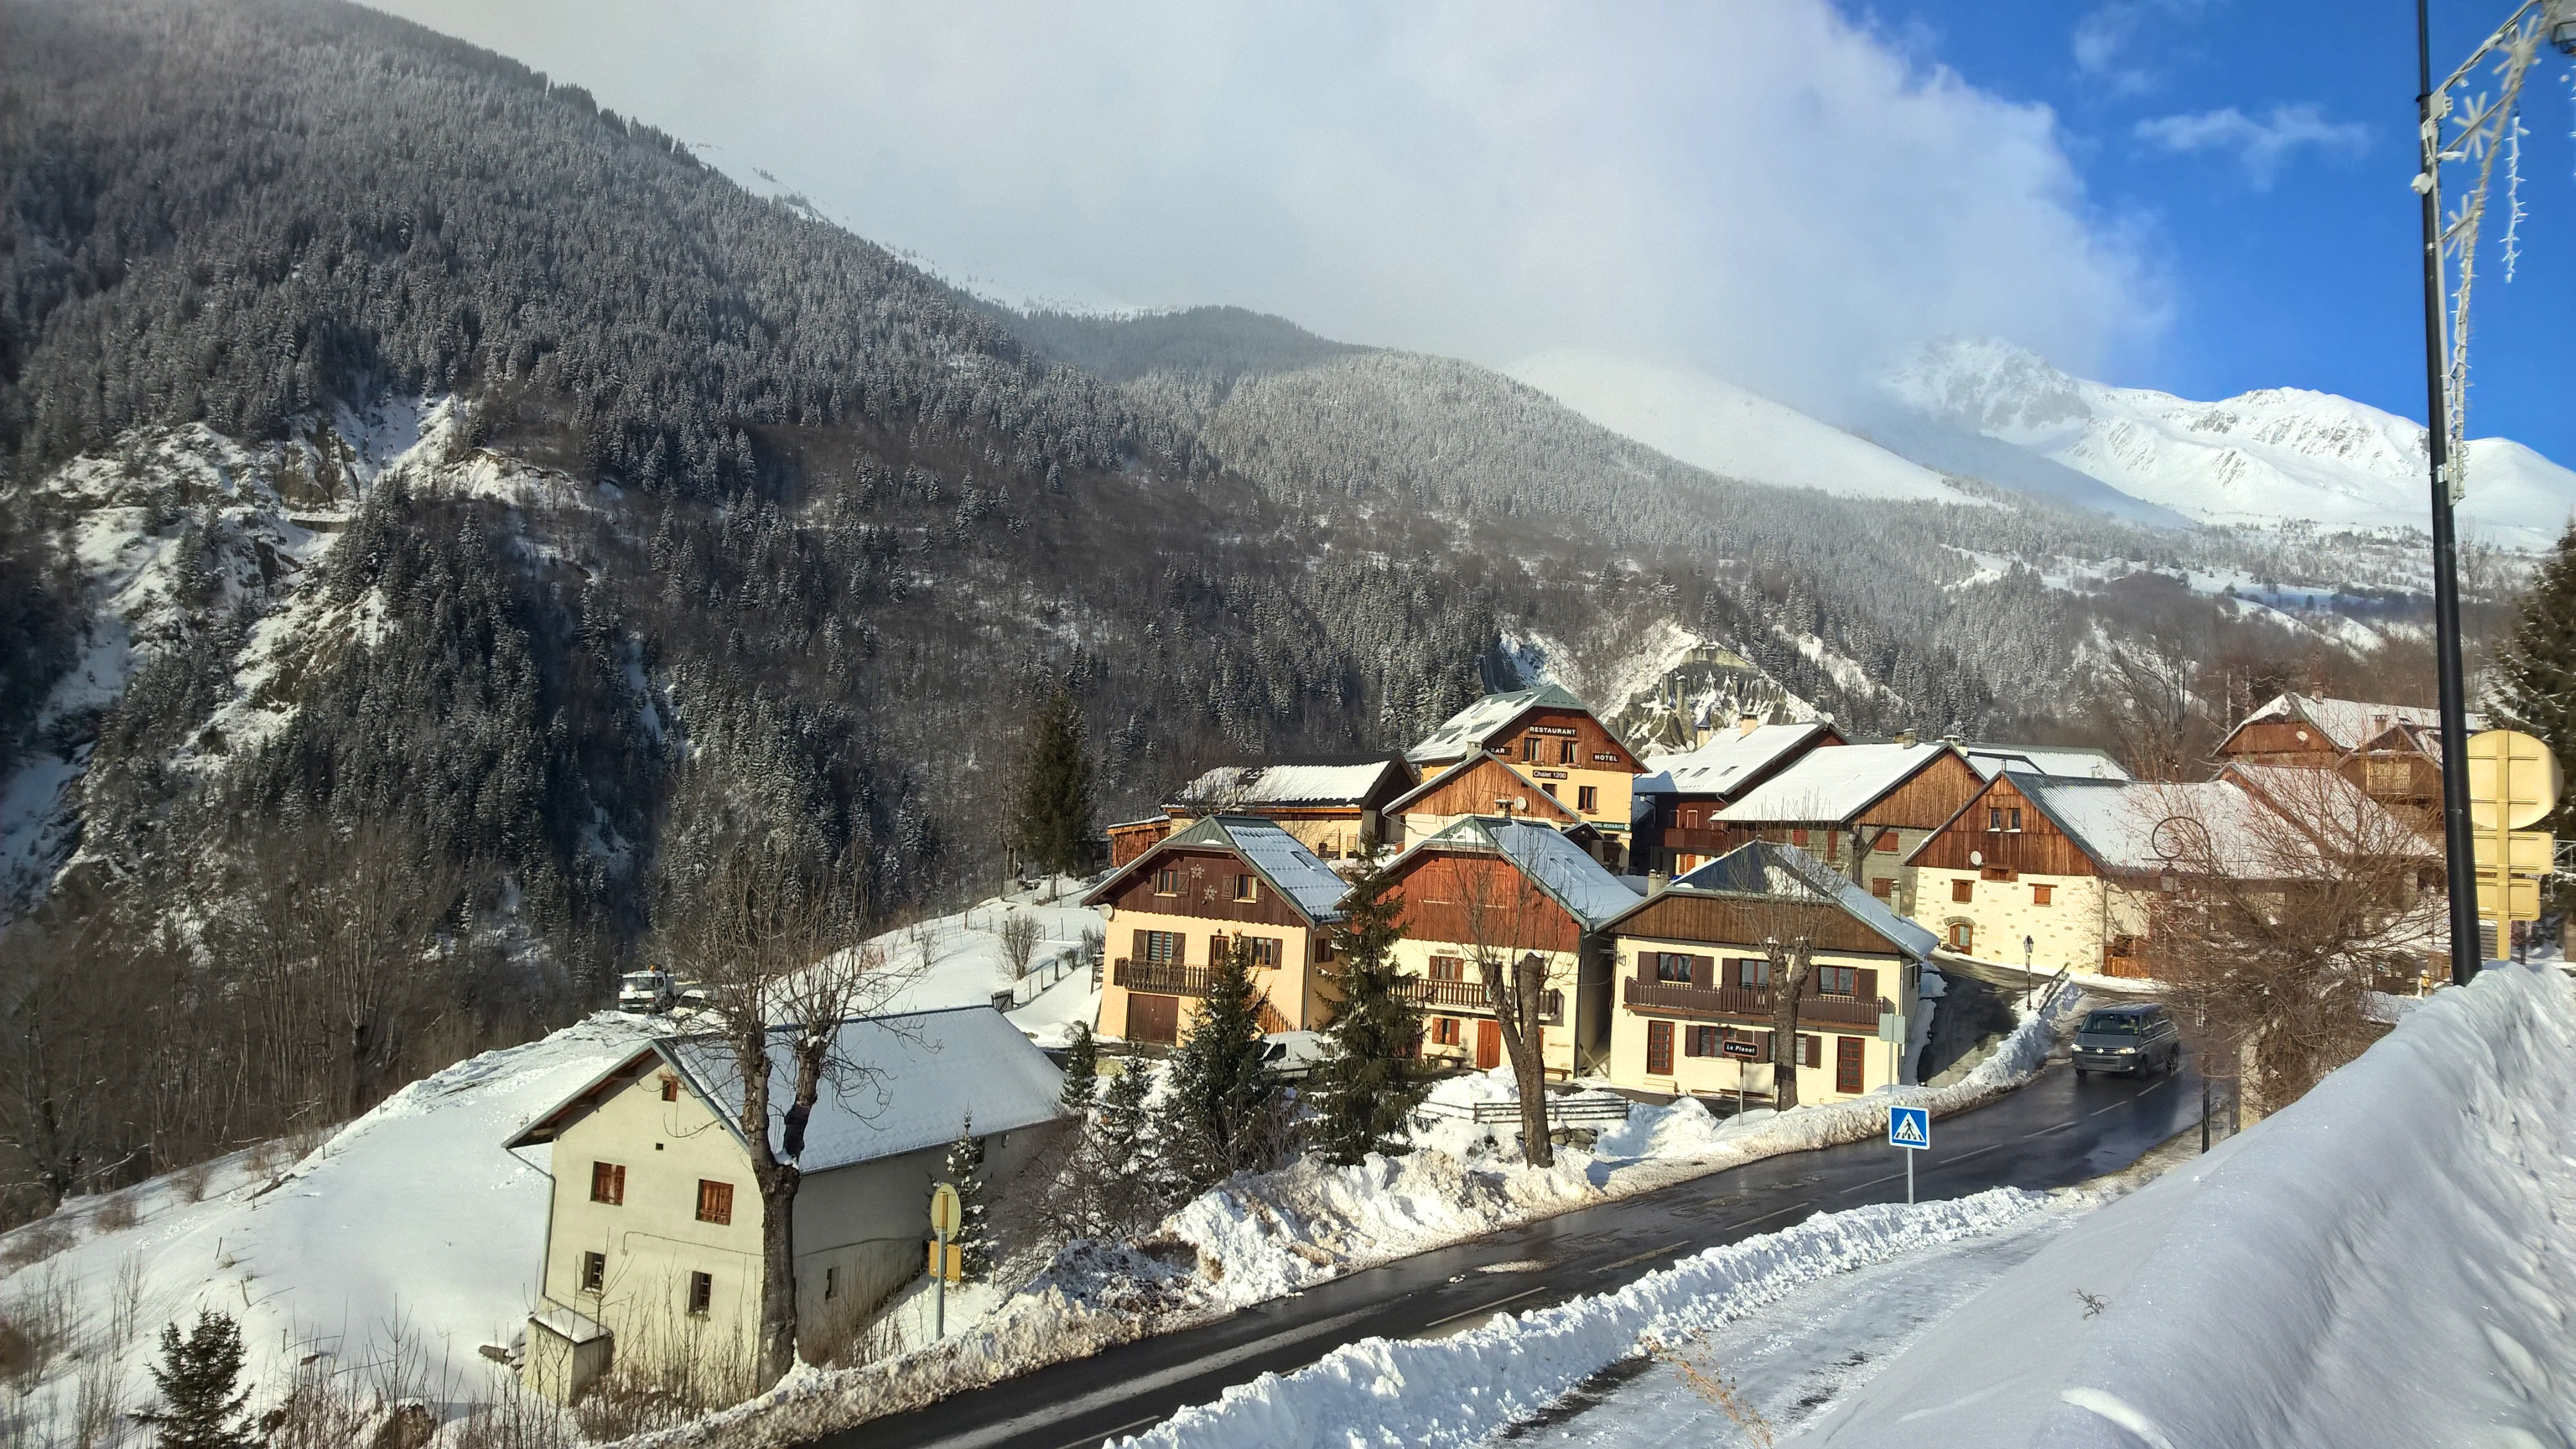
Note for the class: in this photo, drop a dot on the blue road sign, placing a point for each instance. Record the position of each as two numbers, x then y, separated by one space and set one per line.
1909 1127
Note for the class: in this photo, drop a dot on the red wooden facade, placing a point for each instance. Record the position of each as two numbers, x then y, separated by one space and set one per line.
2018 839
1206 889
1477 898
1557 738
1472 789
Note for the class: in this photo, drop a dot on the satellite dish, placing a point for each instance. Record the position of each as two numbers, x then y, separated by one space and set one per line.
1976 857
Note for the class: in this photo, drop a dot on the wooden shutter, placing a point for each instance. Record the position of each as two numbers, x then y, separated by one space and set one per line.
1703 972
715 1202
1814 1047
1868 984
1140 948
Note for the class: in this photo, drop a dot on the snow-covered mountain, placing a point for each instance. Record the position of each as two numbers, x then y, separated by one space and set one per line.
2269 456
1689 415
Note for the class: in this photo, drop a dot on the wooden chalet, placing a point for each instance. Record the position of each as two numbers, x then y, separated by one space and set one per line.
1483 784
2392 751
1336 807
1129 839
1196 893
1557 741
1677 826
1858 808
1693 977
1490 888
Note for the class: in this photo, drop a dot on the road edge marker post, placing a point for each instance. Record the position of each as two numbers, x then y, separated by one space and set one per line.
1910 1130
945 1214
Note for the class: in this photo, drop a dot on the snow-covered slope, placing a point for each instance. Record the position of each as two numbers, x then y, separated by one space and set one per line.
1724 429
2264 457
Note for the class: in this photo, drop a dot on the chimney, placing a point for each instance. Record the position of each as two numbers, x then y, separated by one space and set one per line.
1656 880
1746 722
1905 737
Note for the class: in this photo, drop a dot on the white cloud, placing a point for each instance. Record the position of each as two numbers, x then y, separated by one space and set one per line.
2263 147
1770 191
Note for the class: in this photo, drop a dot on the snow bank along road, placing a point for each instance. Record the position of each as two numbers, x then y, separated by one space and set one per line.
2055 1131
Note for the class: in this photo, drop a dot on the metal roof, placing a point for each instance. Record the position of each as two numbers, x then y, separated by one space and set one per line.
1231 786
1466 731
1558 866
1832 784
1279 858
1723 766
1766 868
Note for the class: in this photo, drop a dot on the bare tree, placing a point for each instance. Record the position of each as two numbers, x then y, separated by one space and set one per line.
774 938
1507 920
1791 956
2286 895
1019 933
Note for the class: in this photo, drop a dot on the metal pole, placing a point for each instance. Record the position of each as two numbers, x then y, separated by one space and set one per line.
1909 1177
2459 858
939 1295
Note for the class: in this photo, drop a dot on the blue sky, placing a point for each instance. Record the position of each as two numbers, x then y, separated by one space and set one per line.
2204 196
2286 237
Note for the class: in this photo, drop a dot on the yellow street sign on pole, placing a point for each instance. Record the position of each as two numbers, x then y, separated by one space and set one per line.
2525 852
2519 900
946 1213
2513 780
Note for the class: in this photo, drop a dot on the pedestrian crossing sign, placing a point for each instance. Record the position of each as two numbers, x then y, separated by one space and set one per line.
1909 1127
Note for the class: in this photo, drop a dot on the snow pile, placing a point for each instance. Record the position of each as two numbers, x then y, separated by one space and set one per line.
2387 1261
1460 1390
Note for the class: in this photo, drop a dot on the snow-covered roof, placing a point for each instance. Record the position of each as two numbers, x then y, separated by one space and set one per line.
1232 786
1468 729
2114 821
2348 724
1558 866
1834 784
1279 858
563 1323
1724 765
1765 868
2065 761
921 1077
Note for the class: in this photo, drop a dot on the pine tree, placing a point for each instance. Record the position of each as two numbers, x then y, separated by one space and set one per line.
1128 1180
1052 829
2536 678
1081 1074
965 1172
1374 1077
1223 1093
199 1378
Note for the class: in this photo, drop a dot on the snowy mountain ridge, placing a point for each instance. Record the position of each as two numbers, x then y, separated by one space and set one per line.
2268 456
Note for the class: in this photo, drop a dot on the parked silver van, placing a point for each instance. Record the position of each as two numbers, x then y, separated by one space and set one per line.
2127 1039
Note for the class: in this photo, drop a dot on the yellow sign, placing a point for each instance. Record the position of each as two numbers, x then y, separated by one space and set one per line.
2520 901
956 1262
946 1212
2526 852
2513 780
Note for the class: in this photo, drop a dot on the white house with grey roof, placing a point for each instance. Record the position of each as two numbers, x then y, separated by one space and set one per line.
654 1246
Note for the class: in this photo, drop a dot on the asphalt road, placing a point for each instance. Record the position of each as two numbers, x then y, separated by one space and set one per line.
2055 1131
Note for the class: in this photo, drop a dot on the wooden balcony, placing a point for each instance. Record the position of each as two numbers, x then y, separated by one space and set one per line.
1751 1003
1468 998
1162 977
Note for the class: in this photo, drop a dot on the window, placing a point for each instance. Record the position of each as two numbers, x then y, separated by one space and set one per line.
1444 1031
2013 815
1884 888
1587 798
1750 972
1994 817
1811 1050
607 1183
1167 882
2124 945
1659 1048
594 1272
1672 966
1324 947
1162 946
1837 981
1961 890
1529 749
1699 1041
1550 789
1247 887
1265 952
831 1283
1888 844
670 1088
1996 872
1565 752
702 1294
2041 895
1963 937
1448 968
715 1202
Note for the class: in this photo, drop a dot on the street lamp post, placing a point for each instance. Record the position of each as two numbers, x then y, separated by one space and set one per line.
2025 973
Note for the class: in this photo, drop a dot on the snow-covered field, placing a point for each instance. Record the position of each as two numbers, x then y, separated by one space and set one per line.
2386 1262
409 1223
